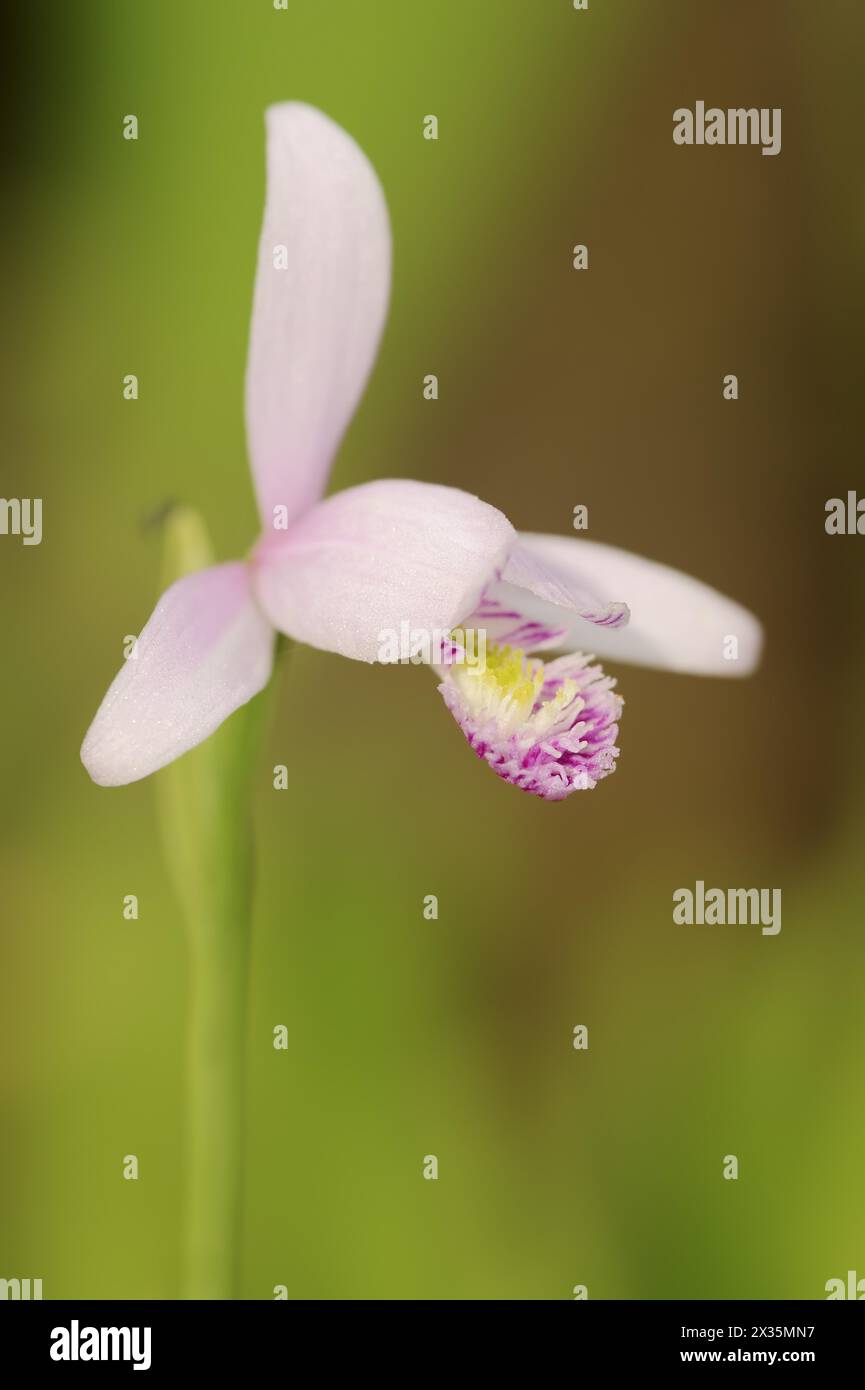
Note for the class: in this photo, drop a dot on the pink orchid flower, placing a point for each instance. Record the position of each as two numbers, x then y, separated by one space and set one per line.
340 573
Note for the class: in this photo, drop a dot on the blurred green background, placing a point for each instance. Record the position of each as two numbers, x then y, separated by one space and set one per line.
409 1037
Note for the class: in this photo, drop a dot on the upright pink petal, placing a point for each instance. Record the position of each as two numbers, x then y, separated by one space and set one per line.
367 561
676 623
321 293
204 652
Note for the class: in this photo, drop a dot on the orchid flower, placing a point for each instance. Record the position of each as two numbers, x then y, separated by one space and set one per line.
339 573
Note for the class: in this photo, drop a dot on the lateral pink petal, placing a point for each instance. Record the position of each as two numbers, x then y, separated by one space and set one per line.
676 623
377 560
205 651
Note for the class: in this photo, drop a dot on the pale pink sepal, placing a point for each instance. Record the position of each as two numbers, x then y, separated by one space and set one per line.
204 652
321 294
676 623
533 604
375 557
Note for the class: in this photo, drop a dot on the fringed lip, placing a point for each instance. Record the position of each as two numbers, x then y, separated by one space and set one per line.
549 728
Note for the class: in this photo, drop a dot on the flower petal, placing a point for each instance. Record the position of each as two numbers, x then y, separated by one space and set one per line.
204 652
570 591
549 729
320 301
532 605
676 623
371 559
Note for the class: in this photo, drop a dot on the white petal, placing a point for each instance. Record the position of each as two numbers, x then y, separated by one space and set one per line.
321 295
365 562
205 651
676 623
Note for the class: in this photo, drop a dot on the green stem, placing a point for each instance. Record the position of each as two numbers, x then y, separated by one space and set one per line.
205 804
219 970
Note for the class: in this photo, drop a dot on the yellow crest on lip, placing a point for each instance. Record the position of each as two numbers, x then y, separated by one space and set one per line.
508 687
